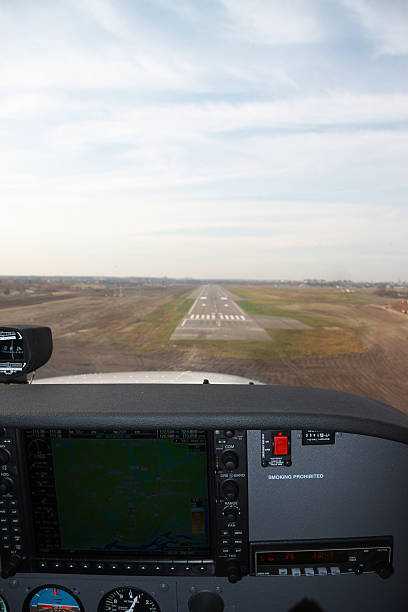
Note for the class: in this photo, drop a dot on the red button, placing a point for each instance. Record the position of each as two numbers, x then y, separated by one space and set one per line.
280 445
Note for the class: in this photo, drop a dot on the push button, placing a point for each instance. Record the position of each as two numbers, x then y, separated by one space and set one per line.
280 445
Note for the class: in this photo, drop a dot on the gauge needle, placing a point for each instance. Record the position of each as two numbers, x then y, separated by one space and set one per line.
132 607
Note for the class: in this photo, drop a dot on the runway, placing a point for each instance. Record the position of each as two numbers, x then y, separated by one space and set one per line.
215 316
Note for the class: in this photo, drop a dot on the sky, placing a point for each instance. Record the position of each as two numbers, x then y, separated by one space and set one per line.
254 139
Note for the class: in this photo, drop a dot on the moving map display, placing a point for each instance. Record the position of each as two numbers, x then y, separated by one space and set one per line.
144 491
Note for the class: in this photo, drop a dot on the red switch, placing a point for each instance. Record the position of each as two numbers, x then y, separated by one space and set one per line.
280 445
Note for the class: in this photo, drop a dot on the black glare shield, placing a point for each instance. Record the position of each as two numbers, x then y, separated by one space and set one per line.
23 349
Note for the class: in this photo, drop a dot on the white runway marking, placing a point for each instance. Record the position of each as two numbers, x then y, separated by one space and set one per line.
213 298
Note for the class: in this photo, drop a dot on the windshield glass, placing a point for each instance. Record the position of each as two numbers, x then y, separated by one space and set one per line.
210 186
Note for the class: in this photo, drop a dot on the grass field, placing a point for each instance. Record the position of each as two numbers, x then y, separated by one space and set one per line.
353 344
287 296
156 329
272 309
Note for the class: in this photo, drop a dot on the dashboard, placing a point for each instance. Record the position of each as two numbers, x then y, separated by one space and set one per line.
199 498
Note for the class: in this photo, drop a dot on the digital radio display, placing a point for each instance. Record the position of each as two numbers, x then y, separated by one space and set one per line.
116 492
289 557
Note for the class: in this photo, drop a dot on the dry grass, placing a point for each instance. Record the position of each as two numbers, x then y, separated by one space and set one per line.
317 342
155 331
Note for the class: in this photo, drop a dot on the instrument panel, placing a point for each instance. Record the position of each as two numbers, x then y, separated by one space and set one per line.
127 511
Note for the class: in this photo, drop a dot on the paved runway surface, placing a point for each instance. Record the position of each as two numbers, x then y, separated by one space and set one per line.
215 316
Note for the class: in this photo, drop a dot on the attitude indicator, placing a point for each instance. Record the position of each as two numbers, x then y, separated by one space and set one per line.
52 599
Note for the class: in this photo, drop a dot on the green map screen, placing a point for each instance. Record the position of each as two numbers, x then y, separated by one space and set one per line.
118 492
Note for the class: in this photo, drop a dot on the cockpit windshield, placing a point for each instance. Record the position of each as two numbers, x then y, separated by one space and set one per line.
214 187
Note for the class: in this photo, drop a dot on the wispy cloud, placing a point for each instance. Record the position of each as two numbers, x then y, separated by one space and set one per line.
385 22
278 130
271 22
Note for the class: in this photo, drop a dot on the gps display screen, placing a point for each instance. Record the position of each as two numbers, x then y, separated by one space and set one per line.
119 492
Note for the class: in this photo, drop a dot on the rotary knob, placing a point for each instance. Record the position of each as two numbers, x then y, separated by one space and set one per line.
230 460
6 485
231 514
233 572
4 456
230 490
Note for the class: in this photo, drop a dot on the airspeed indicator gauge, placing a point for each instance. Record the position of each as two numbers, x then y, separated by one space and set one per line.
128 599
